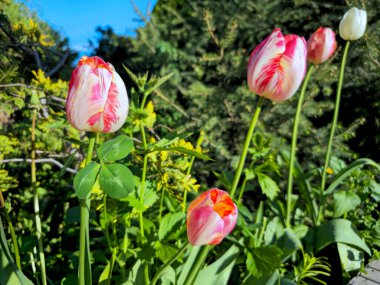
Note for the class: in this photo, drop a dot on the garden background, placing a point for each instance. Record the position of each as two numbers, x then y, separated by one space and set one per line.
206 106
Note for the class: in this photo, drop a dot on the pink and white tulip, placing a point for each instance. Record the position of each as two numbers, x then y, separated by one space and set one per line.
277 66
211 217
321 45
97 99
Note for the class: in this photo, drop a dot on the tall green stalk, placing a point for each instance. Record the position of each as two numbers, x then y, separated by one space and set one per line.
36 203
197 265
247 142
199 142
168 263
294 147
84 241
333 127
143 178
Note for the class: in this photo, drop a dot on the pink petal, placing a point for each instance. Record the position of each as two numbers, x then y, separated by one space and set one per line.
204 226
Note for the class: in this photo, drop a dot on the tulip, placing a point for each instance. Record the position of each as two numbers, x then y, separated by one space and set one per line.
353 24
97 99
321 45
211 217
277 66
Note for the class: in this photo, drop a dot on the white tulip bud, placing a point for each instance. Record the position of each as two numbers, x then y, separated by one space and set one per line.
353 24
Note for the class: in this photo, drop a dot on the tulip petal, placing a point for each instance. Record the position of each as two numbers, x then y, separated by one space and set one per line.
277 66
97 99
204 226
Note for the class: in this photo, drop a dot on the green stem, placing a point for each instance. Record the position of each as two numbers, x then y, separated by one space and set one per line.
245 147
143 177
168 263
262 231
14 239
161 204
197 265
294 147
106 223
199 142
84 245
112 263
333 127
36 204
242 191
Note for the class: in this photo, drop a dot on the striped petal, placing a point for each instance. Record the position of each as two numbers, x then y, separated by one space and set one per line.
97 99
277 66
211 217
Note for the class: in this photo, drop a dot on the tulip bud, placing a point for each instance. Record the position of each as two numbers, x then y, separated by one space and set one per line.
353 24
211 217
321 45
277 66
97 99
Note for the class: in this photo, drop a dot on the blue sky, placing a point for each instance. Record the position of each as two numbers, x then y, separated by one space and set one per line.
77 19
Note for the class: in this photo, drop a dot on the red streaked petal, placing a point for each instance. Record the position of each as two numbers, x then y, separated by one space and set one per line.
204 226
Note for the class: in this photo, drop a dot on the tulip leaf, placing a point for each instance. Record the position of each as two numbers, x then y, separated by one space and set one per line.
268 186
189 264
116 180
219 272
9 273
263 261
351 258
345 201
339 230
85 179
115 149
170 222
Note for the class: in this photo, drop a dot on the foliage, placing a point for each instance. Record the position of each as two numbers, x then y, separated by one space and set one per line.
189 111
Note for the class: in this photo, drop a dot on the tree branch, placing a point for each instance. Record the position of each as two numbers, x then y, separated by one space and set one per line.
41 160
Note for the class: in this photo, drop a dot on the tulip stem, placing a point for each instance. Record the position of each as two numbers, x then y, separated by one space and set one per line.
36 202
294 147
168 263
84 236
197 265
245 147
143 177
333 127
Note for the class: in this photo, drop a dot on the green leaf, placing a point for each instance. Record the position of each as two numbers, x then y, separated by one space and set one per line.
85 179
170 223
9 273
219 271
115 149
289 243
189 264
116 180
271 280
157 82
351 258
136 274
347 171
150 195
345 201
164 251
263 261
104 277
339 230
169 275
268 186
